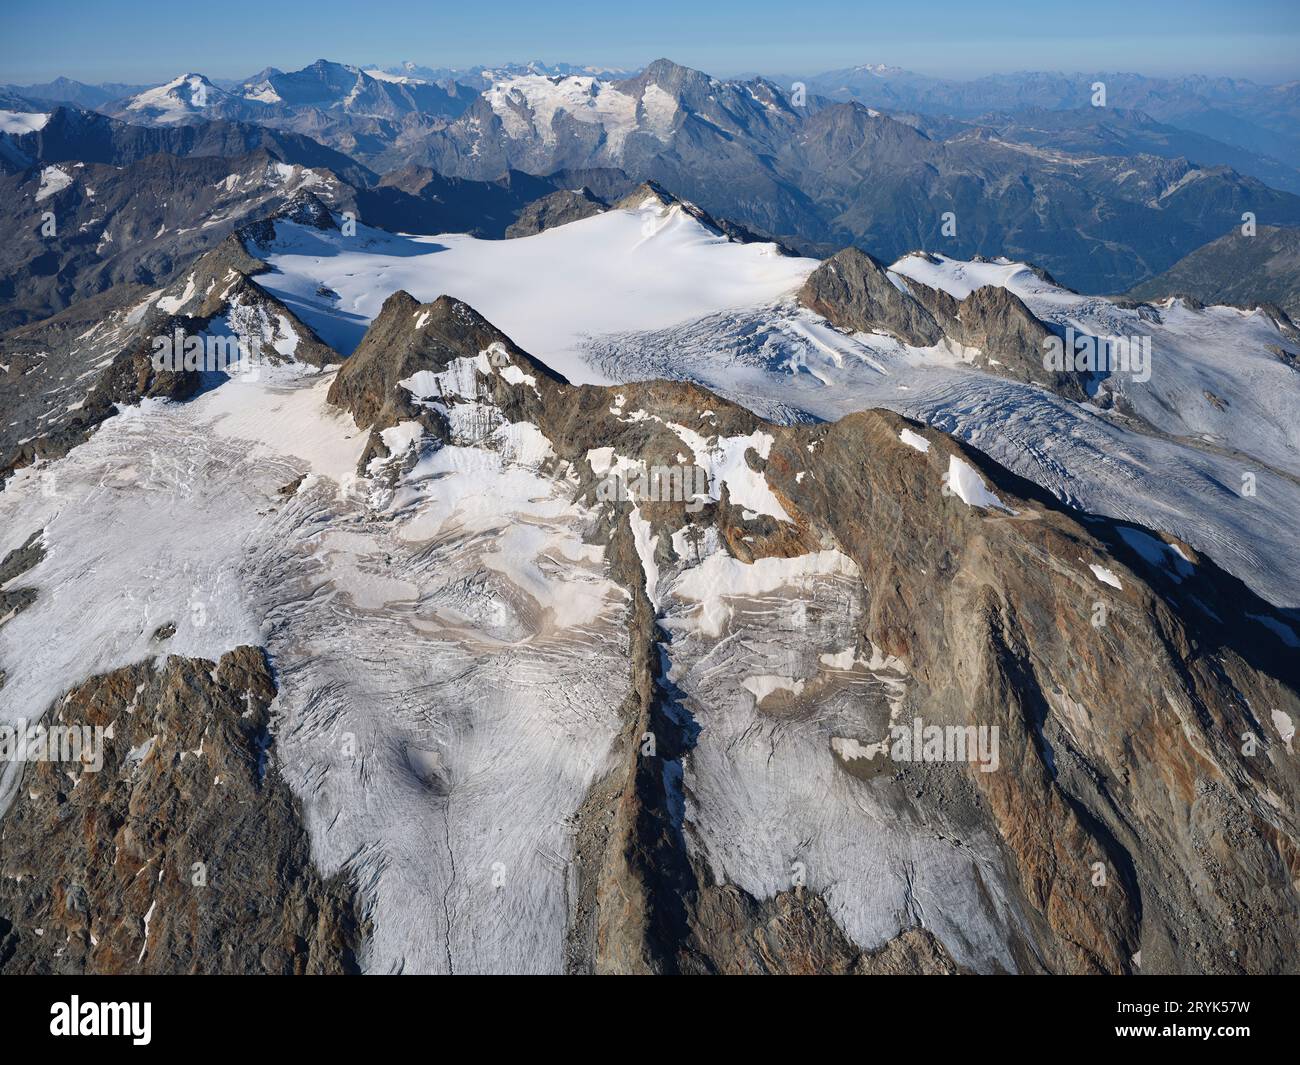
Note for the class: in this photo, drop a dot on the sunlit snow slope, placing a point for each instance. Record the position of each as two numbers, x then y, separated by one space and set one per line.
638 294
450 654
640 270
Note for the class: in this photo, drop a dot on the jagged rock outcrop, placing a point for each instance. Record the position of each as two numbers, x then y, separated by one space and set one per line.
407 338
14 598
1011 340
70 231
222 286
855 292
996 624
184 852
218 296
556 209
130 377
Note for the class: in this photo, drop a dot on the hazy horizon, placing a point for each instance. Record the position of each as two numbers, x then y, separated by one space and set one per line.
130 44
579 63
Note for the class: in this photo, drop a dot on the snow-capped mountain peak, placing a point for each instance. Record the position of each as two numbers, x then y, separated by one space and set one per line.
880 70
181 98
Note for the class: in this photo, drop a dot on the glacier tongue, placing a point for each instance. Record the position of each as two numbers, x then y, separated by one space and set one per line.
471 650
766 793
450 663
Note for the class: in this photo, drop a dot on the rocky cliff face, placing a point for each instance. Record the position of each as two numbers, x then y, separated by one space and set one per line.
556 209
1236 269
1011 341
820 589
183 852
385 381
53 424
69 231
854 292
857 293
114 344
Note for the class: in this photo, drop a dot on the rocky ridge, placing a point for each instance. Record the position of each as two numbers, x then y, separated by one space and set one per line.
1122 743
859 294
184 852
117 352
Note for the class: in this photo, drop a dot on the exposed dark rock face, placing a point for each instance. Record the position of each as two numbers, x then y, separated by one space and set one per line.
184 853
793 934
306 209
130 377
417 199
607 184
21 559
17 562
557 209
1287 358
1133 761
98 226
854 292
1011 340
218 288
407 337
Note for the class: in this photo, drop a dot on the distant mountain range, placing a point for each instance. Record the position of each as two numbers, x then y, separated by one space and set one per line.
69 134
1107 209
274 97
1260 118
134 203
1017 165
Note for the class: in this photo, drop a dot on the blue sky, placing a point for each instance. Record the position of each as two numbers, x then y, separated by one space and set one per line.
136 41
